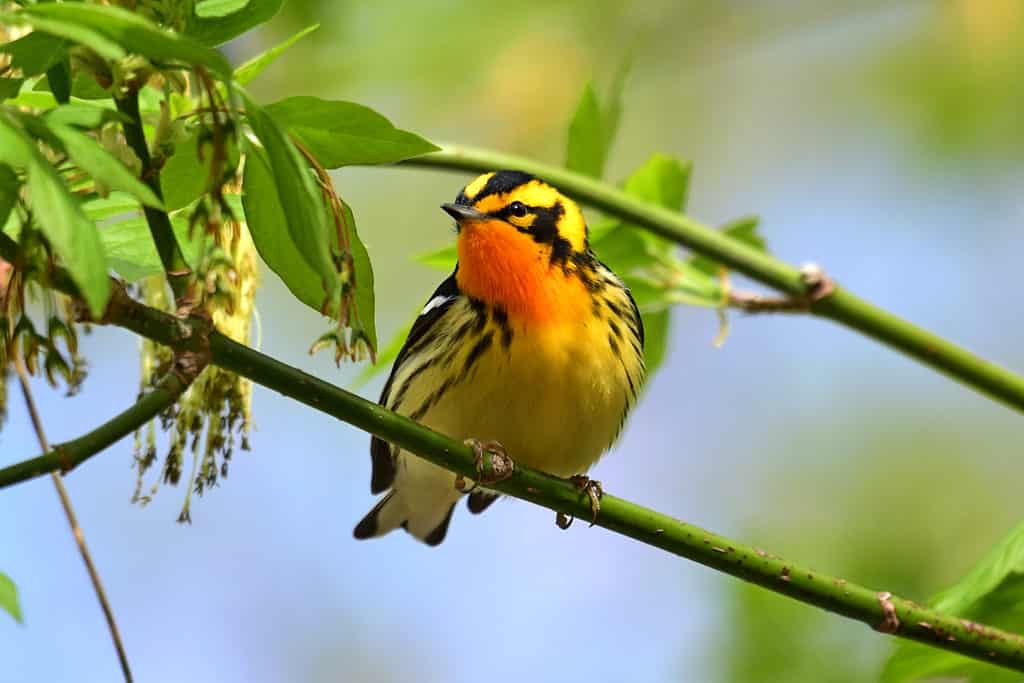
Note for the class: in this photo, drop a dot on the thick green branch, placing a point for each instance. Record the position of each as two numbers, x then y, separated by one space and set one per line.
879 610
159 222
66 456
840 305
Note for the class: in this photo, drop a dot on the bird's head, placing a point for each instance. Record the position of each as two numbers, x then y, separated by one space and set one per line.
518 238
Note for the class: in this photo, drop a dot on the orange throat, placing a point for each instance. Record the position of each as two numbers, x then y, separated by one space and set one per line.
503 267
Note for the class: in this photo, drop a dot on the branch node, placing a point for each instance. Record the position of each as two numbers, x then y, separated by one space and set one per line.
819 284
890 622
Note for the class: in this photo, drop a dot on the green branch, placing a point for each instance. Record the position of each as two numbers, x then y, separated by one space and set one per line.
839 305
177 269
879 610
66 456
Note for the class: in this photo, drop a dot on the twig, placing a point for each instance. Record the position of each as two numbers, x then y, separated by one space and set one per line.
76 530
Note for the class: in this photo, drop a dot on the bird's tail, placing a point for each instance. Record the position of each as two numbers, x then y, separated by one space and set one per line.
423 508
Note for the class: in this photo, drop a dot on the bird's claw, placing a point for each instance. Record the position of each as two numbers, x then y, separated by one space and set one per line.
501 465
593 489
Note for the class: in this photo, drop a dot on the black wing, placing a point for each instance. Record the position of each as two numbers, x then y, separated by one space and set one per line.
380 451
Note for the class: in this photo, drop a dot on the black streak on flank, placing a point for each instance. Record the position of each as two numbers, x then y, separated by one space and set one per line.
500 316
586 271
612 342
478 350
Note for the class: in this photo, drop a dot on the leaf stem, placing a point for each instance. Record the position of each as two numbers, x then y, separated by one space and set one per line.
839 305
76 530
878 609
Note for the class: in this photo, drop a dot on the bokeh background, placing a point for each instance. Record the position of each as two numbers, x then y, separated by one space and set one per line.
880 139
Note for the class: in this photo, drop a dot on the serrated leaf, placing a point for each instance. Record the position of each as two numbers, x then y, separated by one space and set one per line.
132 32
9 597
268 226
587 147
991 593
218 30
132 254
35 52
344 133
442 259
364 294
72 235
255 66
92 158
8 191
300 197
218 8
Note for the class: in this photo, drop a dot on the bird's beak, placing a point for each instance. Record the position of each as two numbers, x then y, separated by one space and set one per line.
463 214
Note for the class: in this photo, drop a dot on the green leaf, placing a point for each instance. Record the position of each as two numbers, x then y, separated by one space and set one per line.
364 294
344 133
662 180
117 204
9 598
87 116
10 87
132 254
184 176
58 29
441 259
587 148
59 78
992 593
8 192
217 30
300 197
132 32
219 8
35 53
656 328
72 235
92 158
83 86
255 66
268 226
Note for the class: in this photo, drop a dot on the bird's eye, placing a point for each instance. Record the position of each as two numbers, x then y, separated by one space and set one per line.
517 209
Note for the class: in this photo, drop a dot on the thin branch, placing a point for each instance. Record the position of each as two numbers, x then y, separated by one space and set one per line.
839 305
878 609
76 530
175 266
66 456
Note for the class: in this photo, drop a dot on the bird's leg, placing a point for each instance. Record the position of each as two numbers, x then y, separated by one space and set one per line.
501 465
593 489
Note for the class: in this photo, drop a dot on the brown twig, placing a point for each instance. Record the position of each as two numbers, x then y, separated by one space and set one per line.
76 530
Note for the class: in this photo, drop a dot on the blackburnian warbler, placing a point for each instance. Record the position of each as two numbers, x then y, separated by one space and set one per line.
531 342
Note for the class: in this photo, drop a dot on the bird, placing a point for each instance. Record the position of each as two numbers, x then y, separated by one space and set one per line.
531 343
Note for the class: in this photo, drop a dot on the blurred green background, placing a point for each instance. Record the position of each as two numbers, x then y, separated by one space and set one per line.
882 140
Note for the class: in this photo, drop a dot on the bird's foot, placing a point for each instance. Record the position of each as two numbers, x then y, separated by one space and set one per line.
594 491
501 466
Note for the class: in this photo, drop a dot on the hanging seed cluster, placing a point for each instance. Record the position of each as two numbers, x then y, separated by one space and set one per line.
214 415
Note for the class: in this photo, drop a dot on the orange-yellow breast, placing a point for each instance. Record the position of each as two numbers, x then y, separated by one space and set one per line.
502 266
